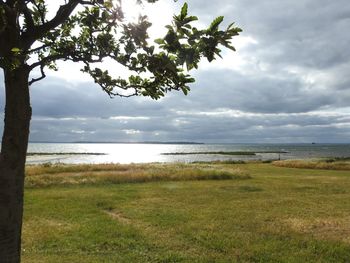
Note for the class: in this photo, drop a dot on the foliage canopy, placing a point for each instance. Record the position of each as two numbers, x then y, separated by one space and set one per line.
91 31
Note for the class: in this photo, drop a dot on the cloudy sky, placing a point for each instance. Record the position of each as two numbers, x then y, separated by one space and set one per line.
289 81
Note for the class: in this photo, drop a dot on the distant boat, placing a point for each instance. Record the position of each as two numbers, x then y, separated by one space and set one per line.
313 143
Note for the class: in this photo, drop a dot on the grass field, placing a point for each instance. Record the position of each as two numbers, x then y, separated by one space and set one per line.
186 213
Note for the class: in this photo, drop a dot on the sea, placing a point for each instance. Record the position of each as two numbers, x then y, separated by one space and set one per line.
125 153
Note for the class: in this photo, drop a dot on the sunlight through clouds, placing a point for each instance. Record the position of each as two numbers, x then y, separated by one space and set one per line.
159 14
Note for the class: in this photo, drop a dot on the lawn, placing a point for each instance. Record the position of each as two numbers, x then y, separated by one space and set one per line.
200 212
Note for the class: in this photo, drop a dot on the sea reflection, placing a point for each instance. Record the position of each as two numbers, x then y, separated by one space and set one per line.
145 153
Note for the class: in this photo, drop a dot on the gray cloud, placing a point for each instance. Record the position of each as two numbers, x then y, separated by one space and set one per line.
291 84
310 33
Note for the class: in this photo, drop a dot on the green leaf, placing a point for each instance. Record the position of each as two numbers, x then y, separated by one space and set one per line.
159 41
16 50
216 22
184 11
190 19
230 47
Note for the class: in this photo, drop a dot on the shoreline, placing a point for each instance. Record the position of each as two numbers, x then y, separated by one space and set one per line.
325 163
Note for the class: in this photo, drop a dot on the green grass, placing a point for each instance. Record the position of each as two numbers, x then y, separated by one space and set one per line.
278 215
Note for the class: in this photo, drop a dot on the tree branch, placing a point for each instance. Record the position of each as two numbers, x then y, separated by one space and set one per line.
46 60
62 15
43 75
27 15
38 48
112 94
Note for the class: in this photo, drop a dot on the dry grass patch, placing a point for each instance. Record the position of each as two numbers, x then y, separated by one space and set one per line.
315 164
118 216
48 168
337 229
44 227
42 176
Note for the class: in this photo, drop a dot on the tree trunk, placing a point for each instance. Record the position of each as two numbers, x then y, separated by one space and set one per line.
12 162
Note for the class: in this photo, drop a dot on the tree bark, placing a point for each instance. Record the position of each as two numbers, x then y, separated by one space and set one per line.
12 162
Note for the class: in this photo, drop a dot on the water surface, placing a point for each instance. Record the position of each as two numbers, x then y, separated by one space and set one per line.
144 153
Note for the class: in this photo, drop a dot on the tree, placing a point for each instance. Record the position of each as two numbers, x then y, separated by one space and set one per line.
85 31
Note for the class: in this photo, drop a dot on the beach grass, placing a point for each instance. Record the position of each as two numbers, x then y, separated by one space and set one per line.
63 153
264 213
243 153
54 175
324 163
